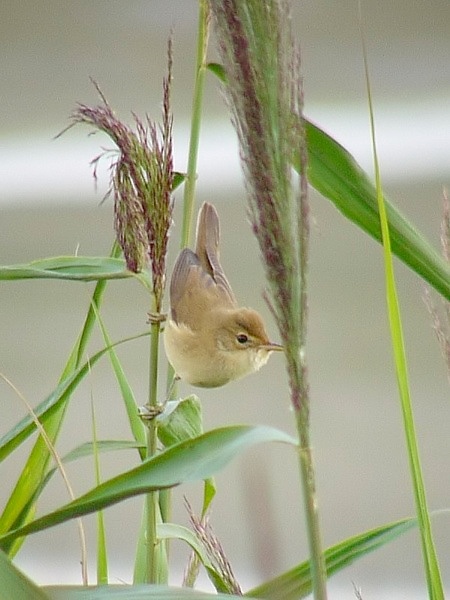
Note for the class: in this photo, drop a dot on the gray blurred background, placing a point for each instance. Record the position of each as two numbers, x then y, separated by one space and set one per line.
48 206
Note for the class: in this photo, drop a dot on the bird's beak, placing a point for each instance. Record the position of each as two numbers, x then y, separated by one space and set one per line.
272 347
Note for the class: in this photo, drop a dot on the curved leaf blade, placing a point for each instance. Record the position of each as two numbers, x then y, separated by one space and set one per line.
131 592
296 583
179 532
15 436
21 503
334 173
78 268
192 460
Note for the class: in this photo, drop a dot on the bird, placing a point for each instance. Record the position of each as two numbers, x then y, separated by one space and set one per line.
209 339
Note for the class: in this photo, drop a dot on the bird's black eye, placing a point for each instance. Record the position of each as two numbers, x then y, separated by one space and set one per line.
242 338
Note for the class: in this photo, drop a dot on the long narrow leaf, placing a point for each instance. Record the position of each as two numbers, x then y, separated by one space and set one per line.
21 503
296 583
78 268
131 592
129 400
193 460
334 173
87 448
102 554
45 409
178 532
292 585
173 531
431 565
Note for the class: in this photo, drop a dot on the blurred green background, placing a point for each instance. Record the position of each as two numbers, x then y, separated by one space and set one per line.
48 206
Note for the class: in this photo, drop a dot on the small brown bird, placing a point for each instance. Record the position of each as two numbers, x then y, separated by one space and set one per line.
209 339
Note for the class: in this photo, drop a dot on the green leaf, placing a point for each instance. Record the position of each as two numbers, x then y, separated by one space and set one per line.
191 460
178 179
20 505
45 409
15 585
184 422
336 175
173 531
131 592
296 583
218 70
78 268
208 494
126 390
431 564
87 449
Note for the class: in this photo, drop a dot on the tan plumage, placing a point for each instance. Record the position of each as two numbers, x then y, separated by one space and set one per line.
209 340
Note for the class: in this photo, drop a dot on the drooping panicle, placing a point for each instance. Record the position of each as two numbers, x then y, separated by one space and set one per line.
141 181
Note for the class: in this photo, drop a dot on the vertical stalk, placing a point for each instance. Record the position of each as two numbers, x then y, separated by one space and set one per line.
191 176
317 561
264 88
200 68
307 472
153 566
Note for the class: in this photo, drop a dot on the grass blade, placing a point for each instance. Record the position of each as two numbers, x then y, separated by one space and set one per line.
134 419
336 175
173 531
192 460
53 402
432 571
131 592
75 268
22 500
296 583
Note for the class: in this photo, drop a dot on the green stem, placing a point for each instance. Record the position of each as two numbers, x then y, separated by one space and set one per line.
196 119
200 69
307 474
153 566
317 561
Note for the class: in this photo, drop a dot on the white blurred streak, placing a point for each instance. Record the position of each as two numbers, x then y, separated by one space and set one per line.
413 143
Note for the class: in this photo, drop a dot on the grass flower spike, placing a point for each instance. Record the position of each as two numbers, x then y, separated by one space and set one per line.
141 183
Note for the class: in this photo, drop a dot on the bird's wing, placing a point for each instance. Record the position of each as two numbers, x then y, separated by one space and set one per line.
193 291
207 249
178 283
